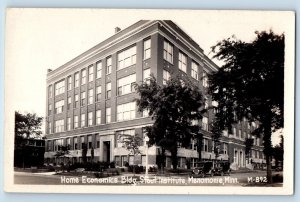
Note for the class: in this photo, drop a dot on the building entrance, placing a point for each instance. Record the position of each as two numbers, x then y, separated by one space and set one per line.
106 151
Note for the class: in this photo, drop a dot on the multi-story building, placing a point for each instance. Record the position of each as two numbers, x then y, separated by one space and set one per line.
90 99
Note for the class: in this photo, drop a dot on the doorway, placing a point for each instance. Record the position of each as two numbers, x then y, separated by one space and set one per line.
106 151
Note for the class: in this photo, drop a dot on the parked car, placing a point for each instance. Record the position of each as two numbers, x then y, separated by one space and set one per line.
203 169
222 168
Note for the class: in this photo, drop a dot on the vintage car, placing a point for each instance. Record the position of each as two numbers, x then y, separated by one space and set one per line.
202 169
222 168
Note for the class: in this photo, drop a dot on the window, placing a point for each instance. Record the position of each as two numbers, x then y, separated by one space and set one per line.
240 134
206 104
82 124
98 141
215 104
69 123
83 96
49 145
225 133
205 123
145 113
76 101
75 143
98 117
57 143
108 65
90 142
126 84
195 122
49 109
60 87
69 82
127 58
83 77
76 121
168 52
59 106
91 96
225 148
124 132
108 90
68 143
166 77
82 142
76 83
49 127
244 135
146 75
98 92
59 125
204 80
126 111
257 141
99 70
90 118
182 62
69 103
50 92
147 49
234 132
91 73
194 72
205 145
108 115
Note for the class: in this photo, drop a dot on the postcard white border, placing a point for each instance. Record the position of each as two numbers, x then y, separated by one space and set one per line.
289 100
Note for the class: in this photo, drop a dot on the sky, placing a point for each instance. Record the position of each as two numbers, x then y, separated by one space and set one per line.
41 39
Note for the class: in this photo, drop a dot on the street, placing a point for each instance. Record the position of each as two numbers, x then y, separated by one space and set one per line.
257 178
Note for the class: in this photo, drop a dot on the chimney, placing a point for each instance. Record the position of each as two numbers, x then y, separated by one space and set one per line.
117 29
49 70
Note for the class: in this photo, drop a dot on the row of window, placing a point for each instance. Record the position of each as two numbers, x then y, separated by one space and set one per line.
55 145
182 62
125 59
124 112
222 149
125 85
242 136
256 154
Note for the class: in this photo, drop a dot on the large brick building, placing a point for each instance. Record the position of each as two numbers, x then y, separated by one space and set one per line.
90 99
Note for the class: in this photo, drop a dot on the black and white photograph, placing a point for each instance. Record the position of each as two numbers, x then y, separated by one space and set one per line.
149 101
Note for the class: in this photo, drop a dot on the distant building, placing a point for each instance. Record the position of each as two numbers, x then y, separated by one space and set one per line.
29 152
90 99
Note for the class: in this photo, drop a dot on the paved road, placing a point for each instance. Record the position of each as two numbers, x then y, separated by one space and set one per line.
235 179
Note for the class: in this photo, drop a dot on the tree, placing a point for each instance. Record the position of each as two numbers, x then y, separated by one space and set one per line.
278 152
26 126
250 84
173 107
130 143
62 152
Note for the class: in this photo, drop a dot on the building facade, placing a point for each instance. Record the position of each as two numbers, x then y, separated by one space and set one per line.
91 99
